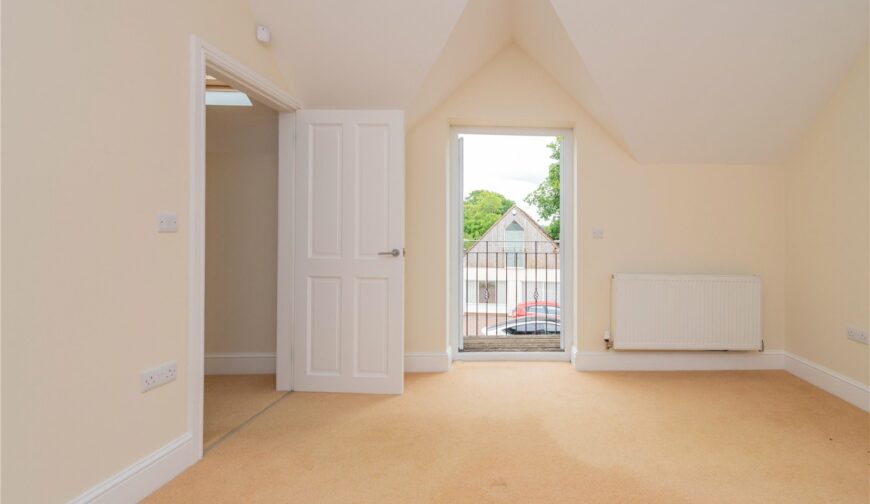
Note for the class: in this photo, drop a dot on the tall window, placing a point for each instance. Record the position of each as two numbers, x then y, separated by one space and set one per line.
514 245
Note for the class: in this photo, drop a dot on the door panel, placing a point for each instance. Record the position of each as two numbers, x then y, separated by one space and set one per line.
324 175
324 321
349 213
373 191
371 343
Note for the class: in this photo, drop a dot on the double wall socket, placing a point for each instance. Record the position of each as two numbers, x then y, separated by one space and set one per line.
158 376
855 334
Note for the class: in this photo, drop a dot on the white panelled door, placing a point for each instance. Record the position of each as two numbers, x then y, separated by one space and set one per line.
349 260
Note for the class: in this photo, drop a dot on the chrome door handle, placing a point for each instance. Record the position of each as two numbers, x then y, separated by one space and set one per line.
394 253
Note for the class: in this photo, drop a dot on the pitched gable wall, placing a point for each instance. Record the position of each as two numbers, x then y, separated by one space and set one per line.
497 235
658 218
496 248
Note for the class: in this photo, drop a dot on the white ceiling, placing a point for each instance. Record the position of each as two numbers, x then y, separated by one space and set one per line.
733 81
540 33
484 29
357 53
711 80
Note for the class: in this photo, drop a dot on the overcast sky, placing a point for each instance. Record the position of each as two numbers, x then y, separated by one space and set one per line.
511 165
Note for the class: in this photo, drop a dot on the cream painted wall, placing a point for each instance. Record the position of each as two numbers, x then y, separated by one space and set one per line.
658 218
828 243
91 293
241 210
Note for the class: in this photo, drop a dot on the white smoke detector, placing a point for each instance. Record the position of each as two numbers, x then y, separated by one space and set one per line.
263 35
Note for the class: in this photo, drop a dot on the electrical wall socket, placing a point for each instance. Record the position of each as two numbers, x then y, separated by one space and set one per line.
859 335
167 223
155 377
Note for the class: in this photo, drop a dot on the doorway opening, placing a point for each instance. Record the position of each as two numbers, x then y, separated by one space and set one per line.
214 71
512 229
241 237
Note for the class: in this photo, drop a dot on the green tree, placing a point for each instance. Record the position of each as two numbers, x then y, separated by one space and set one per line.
546 197
482 209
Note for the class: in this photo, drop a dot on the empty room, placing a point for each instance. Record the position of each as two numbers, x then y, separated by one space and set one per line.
434 251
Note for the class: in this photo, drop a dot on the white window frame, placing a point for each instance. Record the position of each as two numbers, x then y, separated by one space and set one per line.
567 245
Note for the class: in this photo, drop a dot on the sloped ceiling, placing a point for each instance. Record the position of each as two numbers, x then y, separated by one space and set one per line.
485 28
357 53
711 80
540 33
672 80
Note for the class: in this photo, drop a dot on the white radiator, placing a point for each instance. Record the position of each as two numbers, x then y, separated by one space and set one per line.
686 312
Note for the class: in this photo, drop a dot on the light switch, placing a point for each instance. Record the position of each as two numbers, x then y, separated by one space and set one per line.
167 223
598 233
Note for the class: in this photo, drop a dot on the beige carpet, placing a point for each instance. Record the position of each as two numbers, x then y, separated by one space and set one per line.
542 432
230 400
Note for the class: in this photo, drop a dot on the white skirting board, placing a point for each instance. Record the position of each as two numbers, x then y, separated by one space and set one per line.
239 363
826 379
144 477
677 361
264 363
829 380
428 362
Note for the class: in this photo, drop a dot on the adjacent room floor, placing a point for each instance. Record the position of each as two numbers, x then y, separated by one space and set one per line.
542 432
231 400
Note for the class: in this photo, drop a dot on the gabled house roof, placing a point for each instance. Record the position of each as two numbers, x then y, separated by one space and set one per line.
510 213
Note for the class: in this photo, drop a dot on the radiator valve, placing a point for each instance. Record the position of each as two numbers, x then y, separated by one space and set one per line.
608 344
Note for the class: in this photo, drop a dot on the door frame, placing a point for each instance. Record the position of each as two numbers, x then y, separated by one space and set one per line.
567 245
206 58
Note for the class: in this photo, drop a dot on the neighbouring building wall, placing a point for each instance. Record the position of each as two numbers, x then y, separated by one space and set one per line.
828 233
657 218
241 210
99 96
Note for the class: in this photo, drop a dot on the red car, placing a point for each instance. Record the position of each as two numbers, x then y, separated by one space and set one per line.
541 308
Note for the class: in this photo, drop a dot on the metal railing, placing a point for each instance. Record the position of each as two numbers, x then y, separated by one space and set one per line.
512 290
